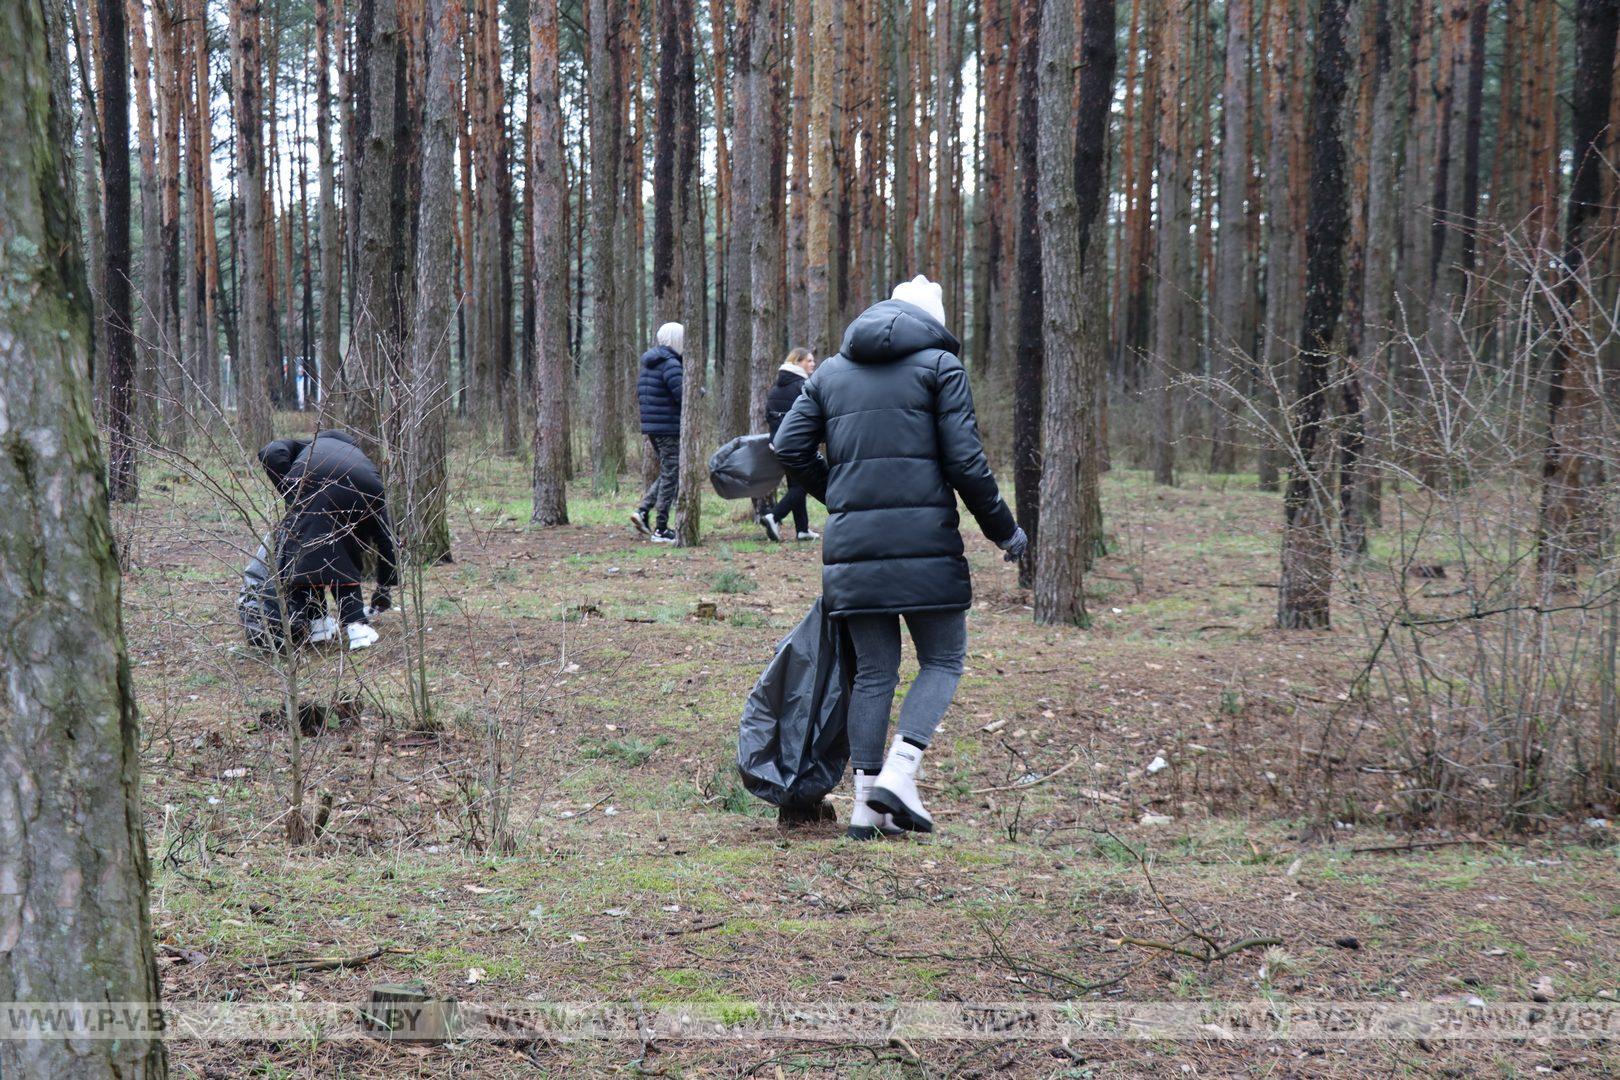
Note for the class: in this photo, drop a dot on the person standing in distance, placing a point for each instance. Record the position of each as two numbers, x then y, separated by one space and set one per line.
790 379
658 389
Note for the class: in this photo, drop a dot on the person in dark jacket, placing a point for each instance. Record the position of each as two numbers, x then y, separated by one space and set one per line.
798 366
659 391
896 413
337 509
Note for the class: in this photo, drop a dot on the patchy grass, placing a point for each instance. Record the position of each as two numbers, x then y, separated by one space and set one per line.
642 870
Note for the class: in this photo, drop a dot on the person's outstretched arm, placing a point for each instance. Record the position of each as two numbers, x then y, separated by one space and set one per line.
962 453
797 444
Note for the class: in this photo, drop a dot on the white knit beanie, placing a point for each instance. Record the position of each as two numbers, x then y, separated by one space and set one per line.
672 335
920 292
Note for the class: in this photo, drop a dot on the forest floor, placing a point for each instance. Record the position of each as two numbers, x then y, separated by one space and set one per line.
568 672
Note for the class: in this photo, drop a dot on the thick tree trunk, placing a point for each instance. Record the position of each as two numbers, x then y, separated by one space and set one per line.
821 335
553 366
1572 519
171 376
1281 239
1233 284
1172 324
1075 314
1027 397
606 91
422 392
1306 582
252 361
764 248
149 342
694 436
74 924
731 413
113 77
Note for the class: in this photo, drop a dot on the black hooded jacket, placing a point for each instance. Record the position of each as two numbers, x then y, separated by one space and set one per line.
896 413
336 508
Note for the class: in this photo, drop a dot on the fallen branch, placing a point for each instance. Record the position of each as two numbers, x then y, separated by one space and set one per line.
1420 845
1209 955
332 963
1059 771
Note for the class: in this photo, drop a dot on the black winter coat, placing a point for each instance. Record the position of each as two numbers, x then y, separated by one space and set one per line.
336 508
896 413
659 390
783 393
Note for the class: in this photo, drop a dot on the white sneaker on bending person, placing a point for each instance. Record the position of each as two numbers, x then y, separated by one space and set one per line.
361 636
322 630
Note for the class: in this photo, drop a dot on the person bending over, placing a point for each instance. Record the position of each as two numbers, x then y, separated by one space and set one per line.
896 413
336 510
798 366
659 391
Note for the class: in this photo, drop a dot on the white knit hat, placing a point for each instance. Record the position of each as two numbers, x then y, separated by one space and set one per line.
672 335
920 292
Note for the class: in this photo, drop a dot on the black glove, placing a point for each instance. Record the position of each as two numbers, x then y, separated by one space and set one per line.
381 601
1015 546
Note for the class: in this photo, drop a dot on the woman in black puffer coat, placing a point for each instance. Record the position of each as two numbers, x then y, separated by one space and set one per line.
896 413
336 511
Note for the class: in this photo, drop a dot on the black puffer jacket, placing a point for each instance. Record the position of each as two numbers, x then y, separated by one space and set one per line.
336 508
784 392
658 388
896 413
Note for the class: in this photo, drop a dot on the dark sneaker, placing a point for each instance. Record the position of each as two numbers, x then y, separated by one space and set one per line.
768 523
638 518
663 536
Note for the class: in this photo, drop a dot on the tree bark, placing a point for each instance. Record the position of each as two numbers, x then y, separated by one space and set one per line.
1172 326
1233 285
113 78
74 922
1572 523
330 229
764 249
1306 582
694 440
1072 185
253 335
821 335
553 365
606 90
1027 396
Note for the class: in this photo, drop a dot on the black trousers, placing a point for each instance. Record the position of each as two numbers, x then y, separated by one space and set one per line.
793 502
308 603
661 492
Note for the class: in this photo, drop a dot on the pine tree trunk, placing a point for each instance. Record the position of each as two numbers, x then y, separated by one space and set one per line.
171 370
1073 186
694 437
552 363
148 333
74 922
606 88
330 228
764 251
1306 582
113 79
821 336
731 413
253 335
1572 519
1172 326
1027 395
1233 284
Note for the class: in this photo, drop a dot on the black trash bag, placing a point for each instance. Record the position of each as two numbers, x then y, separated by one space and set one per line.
793 743
745 468
259 606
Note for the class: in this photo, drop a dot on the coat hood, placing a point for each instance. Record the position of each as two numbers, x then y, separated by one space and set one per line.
658 354
892 329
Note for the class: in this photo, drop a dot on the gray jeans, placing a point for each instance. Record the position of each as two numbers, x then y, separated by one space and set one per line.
661 492
941 641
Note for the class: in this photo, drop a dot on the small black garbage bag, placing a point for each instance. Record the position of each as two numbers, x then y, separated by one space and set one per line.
793 742
745 468
259 606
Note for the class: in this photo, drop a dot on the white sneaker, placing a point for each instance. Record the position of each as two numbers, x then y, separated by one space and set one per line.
809 534
866 823
361 636
322 630
894 792
768 523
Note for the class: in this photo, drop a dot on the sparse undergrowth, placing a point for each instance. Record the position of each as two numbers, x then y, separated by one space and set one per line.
580 674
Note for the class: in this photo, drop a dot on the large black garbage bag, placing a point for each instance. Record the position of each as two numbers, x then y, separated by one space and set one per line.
793 742
745 468
258 605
